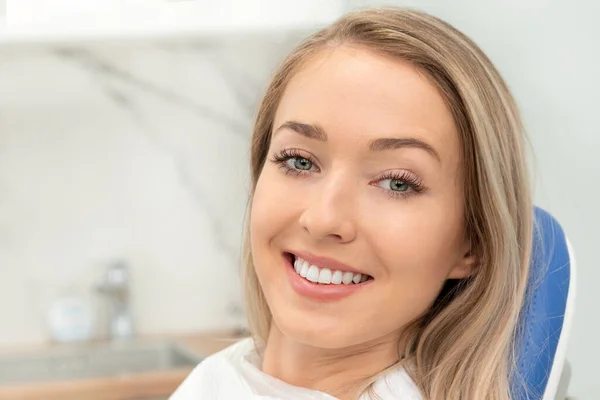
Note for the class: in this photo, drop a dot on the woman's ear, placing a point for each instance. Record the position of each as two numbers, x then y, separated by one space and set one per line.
465 266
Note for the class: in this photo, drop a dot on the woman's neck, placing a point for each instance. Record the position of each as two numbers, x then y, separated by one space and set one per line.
338 372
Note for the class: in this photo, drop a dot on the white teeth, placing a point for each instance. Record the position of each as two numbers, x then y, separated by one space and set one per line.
325 276
313 274
336 278
304 270
347 278
297 266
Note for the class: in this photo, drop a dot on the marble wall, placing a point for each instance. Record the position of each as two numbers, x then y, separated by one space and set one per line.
135 151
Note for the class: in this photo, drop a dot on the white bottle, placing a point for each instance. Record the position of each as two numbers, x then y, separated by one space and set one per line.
70 320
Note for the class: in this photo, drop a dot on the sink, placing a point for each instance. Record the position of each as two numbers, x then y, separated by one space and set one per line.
95 361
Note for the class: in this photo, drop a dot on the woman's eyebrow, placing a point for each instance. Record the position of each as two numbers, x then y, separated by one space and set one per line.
315 131
308 130
397 143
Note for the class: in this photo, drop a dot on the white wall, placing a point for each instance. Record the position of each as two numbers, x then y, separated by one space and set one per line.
2 15
549 53
114 17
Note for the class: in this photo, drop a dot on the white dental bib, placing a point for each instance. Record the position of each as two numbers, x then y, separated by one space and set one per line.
234 374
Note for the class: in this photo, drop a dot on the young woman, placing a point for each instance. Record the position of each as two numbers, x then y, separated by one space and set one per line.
390 222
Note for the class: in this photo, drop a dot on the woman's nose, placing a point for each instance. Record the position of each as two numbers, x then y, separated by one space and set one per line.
329 213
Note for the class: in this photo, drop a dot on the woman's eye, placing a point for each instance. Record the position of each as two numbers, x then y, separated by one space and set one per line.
397 185
300 163
294 163
401 184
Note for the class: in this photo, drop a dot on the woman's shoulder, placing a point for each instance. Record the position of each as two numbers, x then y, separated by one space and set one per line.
397 384
209 371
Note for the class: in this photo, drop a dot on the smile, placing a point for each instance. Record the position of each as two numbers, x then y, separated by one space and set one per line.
323 279
326 276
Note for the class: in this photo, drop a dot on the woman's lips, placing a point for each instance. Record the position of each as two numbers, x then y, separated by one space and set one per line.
324 262
319 291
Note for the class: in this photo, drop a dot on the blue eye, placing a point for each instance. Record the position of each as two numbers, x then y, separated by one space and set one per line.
295 163
398 185
300 163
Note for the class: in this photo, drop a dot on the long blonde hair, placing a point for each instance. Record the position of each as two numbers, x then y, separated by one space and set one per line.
463 348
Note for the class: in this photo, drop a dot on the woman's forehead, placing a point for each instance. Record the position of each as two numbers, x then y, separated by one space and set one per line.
358 95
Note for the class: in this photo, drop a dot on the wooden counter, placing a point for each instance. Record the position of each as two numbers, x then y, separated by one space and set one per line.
152 385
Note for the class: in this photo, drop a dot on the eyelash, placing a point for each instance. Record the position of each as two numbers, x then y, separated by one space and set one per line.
280 159
414 182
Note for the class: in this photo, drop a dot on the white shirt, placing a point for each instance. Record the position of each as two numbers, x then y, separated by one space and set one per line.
234 373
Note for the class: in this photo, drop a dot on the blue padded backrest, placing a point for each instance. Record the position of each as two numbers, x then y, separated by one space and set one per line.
542 316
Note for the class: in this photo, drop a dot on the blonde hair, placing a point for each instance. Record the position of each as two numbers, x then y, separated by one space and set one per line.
463 348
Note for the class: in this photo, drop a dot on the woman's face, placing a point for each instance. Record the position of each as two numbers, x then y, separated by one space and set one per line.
363 176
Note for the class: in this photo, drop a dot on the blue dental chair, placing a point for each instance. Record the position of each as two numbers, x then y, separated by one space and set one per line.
545 322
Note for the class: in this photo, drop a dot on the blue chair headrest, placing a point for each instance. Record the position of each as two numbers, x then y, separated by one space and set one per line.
543 330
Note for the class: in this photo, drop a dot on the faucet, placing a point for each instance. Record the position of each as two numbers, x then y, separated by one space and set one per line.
115 286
